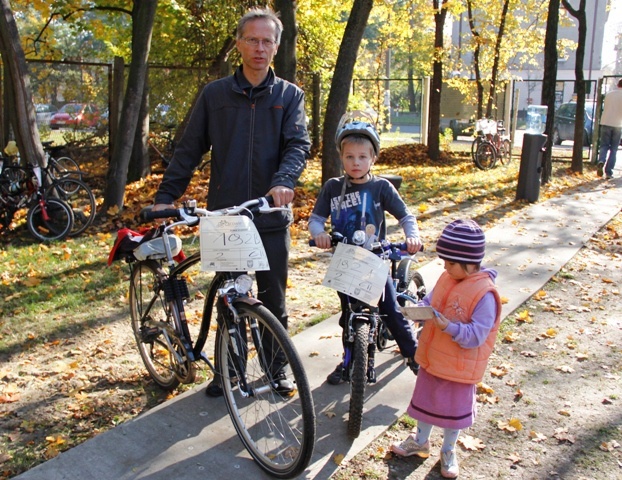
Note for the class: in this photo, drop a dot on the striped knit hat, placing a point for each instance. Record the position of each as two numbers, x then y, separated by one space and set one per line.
462 241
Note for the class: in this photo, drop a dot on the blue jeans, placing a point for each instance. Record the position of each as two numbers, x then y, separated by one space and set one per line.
609 142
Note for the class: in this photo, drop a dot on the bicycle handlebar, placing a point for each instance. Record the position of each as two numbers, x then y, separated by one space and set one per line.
190 213
336 238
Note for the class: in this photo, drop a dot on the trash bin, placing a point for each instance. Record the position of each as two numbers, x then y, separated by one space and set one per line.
528 187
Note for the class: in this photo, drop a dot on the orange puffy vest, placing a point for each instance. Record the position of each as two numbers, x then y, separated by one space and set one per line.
437 352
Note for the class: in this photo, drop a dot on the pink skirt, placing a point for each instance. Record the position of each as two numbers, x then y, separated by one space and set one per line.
442 403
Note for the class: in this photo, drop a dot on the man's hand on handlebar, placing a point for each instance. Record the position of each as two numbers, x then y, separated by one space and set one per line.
281 196
162 206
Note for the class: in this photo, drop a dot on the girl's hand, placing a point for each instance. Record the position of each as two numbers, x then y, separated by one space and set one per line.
323 240
440 321
413 245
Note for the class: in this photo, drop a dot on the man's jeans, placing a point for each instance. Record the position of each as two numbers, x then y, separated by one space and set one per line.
609 142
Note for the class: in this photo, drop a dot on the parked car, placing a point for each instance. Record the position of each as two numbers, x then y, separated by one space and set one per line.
76 115
44 113
563 125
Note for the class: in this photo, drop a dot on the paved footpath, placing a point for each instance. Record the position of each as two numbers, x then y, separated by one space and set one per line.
191 436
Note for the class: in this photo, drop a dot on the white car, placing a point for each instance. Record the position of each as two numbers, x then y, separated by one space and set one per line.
44 113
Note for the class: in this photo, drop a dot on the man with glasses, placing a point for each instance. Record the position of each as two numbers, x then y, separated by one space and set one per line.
254 123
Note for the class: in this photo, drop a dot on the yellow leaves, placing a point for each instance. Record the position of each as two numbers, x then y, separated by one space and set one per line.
423 208
504 300
500 370
524 317
609 446
510 337
562 435
540 295
31 282
512 425
564 369
471 443
549 333
338 458
536 437
113 211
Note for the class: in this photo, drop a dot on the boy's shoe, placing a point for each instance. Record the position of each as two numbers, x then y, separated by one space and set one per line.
609 177
410 447
284 386
336 377
449 464
599 169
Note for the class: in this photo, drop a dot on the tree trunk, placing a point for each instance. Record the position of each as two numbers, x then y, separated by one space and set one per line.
440 13
478 74
495 66
579 126
285 60
23 117
143 16
340 85
548 84
140 164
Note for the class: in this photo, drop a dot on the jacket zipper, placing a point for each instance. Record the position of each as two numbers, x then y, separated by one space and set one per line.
250 149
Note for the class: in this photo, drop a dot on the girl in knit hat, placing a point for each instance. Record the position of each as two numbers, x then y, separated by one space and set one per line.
455 344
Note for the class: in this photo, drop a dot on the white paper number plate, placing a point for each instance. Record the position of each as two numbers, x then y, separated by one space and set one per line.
357 272
231 244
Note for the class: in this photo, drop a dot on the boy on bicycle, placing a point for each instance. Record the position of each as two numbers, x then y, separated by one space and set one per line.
358 201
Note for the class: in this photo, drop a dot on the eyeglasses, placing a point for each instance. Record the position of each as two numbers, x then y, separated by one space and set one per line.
254 42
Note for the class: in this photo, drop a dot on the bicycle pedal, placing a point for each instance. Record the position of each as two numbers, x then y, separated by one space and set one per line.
149 334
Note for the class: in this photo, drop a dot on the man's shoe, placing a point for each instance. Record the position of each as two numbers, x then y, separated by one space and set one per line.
600 169
410 447
449 464
336 377
213 389
609 177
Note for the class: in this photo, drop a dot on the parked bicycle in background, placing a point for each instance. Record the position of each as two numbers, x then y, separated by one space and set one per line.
491 144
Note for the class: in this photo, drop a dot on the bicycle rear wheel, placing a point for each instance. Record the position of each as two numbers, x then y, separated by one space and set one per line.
152 324
79 197
277 430
506 152
486 156
50 220
358 378
64 167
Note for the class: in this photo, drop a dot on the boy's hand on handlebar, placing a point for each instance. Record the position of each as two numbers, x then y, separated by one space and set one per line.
323 240
413 245
281 196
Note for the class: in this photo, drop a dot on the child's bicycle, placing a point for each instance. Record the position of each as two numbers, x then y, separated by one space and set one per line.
492 144
365 331
277 428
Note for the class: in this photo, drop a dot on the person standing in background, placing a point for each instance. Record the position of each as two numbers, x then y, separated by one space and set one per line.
610 132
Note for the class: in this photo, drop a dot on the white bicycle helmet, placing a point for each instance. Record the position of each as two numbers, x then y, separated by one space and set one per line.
352 124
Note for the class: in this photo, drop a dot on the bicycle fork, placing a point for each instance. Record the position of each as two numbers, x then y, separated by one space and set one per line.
372 319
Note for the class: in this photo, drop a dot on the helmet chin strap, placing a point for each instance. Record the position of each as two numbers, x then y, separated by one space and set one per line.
346 183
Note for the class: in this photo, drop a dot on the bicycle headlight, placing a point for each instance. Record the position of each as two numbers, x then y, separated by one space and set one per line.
243 284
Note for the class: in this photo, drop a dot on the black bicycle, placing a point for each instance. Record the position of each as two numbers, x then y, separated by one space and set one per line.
365 331
47 218
251 347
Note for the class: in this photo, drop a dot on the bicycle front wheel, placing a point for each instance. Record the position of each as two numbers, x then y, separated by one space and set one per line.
50 220
278 430
486 156
506 152
358 378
